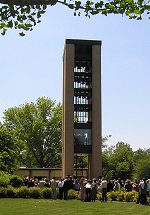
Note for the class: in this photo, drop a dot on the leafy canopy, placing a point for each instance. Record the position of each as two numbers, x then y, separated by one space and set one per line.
8 158
36 131
25 14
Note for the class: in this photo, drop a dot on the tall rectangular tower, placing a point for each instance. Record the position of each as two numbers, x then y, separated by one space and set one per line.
81 129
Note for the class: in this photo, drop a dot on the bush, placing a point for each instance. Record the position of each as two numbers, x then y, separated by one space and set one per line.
11 192
23 192
46 193
72 194
16 181
130 196
34 192
127 197
4 179
3 192
120 196
99 196
112 196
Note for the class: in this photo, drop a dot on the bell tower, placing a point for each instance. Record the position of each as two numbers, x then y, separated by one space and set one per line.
81 128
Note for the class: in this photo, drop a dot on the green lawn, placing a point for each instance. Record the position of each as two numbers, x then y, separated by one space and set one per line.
73 207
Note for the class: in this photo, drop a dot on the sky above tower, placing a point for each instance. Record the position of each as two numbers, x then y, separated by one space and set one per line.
31 67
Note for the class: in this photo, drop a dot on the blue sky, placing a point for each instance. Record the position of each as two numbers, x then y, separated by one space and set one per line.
31 67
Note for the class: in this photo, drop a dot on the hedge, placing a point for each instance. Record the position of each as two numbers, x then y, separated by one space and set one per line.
36 193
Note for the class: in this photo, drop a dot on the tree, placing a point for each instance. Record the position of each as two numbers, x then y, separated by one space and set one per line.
118 161
8 158
142 168
36 130
25 14
123 160
107 165
142 163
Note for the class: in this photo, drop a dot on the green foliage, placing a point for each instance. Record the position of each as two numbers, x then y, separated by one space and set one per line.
72 194
99 196
8 158
118 161
16 181
3 192
35 192
142 168
46 193
142 163
4 179
122 196
112 196
36 130
4 182
11 192
24 15
19 17
23 192
130 196
121 162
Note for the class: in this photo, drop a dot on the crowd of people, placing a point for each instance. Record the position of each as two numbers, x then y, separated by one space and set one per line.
89 188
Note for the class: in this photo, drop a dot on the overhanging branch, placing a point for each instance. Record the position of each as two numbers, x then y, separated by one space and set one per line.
30 2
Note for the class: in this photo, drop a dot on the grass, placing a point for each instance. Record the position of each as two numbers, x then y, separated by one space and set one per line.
73 207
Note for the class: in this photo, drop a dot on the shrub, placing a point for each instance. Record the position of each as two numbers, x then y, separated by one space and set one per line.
11 192
34 192
130 196
72 194
46 193
112 196
23 192
4 179
16 181
120 196
3 192
127 197
99 196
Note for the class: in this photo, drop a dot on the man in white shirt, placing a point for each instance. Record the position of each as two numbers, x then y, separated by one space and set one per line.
104 190
53 185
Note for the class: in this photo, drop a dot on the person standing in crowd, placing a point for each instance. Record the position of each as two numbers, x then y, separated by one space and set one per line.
30 183
128 185
121 182
76 185
53 185
135 185
82 189
26 180
116 185
142 192
88 191
104 189
93 190
66 188
71 183
46 183
41 183
109 186
148 187
60 186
